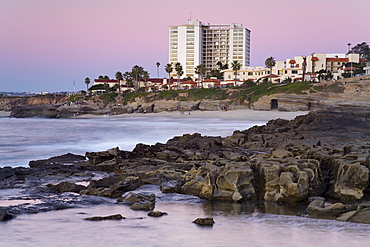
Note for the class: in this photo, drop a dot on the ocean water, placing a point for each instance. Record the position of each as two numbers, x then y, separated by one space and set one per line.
234 226
23 140
28 139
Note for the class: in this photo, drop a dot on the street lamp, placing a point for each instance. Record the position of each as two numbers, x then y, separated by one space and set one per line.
349 47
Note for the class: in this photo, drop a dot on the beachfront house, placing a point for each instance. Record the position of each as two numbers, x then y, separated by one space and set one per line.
293 68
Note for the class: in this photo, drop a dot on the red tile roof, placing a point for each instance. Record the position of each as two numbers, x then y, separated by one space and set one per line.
292 61
336 59
211 80
314 59
104 80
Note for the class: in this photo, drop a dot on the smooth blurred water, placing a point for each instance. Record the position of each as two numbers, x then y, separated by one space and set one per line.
22 140
234 226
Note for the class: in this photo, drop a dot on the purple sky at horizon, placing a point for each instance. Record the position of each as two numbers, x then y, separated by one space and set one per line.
46 45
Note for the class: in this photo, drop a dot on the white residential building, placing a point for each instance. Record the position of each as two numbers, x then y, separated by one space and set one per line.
367 68
196 43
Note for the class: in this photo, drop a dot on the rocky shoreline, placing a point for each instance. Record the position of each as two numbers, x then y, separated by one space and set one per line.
321 159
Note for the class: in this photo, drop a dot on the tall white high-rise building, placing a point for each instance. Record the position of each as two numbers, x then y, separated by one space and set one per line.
196 43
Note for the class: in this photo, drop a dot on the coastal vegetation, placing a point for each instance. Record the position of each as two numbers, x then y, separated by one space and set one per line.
248 91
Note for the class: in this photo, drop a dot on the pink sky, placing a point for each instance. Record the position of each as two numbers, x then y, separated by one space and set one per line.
45 45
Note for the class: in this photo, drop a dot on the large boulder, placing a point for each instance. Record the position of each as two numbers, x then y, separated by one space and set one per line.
350 181
232 182
288 180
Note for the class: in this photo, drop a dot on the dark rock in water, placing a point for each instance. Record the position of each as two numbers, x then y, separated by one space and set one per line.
110 217
4 215
157 213
204 221
66 187
57 160
145 206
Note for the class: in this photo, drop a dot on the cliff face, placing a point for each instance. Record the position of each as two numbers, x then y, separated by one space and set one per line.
352 95
6 103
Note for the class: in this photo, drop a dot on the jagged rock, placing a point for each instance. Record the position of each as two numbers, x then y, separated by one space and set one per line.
65 159
110 217
233 182
204 221
133 197
350 181
66 187
288 180
171 186
122 186
99 157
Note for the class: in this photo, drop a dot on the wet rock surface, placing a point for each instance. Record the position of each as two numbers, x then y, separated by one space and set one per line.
322 154
204 221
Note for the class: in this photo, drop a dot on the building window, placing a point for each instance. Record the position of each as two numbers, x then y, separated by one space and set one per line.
294 71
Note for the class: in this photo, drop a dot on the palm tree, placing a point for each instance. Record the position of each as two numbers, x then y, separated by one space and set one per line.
201 71
270 63
119 78
145 76
87 82
179 72
235 65
137 72
168 68
158 64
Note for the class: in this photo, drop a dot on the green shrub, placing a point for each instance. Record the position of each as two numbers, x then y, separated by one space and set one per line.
318 88
260 90
207 93
167 95
108 98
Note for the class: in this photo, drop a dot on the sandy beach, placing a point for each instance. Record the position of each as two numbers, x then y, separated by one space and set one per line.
4 113
235 114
